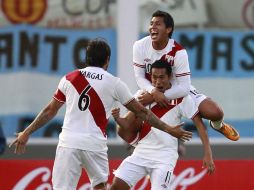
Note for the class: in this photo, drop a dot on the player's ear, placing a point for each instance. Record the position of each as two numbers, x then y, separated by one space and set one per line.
169 29
107 63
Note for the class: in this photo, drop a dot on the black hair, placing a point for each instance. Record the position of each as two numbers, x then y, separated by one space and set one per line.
167 18
162 64
97 52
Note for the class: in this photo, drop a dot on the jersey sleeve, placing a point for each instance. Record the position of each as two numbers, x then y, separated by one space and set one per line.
181 69
122 93
181 64
60 93
188 108
139 68
179 89
137 55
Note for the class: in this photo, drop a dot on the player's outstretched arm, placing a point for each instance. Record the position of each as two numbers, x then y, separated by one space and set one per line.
208 158
149 117
41 119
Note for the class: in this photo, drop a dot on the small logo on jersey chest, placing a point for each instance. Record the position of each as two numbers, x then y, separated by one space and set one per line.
147 60
169 59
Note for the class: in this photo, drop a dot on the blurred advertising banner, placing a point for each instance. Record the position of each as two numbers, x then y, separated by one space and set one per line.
89 14
94 14
185 13
32 62
230 174
232 13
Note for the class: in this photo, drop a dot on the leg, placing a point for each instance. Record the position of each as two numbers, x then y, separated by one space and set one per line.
161 177
101 186
67 169
127 174
210 110
130 135
97 169
119 184
128 126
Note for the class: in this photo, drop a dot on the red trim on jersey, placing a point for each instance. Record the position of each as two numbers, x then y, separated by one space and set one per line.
148 76
59 96
183 74
96 106
169 57
159 112
139 65
195 115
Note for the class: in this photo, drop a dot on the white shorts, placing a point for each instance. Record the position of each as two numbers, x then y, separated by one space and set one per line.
160 174
196 96
68 166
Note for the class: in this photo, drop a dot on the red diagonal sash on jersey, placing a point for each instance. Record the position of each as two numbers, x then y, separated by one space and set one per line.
96 106
159 112
169 57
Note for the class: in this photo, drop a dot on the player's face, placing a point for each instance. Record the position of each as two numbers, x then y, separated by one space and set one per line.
158 30
160 79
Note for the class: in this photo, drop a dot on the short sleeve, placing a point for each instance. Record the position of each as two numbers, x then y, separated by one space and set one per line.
122 93
60 94
137 55
181 64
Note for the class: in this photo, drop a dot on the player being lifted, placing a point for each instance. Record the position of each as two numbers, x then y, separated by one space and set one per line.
160 45
155 152
89 94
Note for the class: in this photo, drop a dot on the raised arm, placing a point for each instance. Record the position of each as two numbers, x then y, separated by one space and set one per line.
128 126
41 119
208 158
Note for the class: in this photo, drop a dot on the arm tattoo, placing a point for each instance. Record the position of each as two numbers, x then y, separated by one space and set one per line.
152 119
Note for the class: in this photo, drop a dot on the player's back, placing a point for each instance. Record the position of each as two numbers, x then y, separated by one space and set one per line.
90 95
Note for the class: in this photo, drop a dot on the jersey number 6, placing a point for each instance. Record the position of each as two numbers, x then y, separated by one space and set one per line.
84 99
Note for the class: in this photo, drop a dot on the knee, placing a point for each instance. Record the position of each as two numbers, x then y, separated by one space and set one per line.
101 186
210 110
114 187
217 114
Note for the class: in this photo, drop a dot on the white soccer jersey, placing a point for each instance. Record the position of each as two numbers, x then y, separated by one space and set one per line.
144 55
157 145
89 94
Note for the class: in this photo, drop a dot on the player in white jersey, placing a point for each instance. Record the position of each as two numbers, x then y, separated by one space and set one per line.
160 45
155 153
89 94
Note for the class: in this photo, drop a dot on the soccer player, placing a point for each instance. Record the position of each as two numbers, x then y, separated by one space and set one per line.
155 153
89 94
160 45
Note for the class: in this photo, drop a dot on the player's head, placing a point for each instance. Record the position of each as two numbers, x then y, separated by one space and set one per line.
161 25
97 53
161 73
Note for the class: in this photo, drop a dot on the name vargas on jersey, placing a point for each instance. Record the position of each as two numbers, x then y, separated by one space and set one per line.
90 75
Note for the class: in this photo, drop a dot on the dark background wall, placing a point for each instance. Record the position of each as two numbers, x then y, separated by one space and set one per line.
194 150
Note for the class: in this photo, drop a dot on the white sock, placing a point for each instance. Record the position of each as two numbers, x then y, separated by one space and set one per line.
217 124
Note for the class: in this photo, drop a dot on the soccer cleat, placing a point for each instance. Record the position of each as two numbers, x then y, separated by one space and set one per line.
228 131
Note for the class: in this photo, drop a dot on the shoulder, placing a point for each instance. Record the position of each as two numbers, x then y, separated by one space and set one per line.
177 46
143 41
